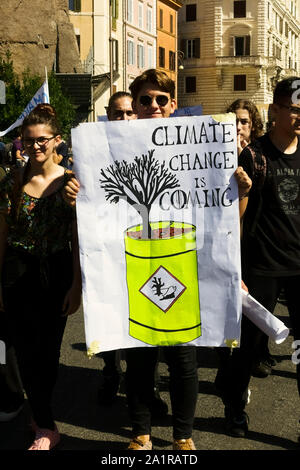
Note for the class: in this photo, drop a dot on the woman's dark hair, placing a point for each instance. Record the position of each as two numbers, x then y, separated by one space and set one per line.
45 114
155 77
257 124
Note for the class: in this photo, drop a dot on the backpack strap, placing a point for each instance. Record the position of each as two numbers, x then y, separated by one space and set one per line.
259 176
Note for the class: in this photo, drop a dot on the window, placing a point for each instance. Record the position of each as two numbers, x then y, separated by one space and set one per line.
191 48
140 17
114 13
114 8
140 56
172 60
190 84
78 41
161 57
191 12
130 11
75 5
171 24
239 9
161 18
242 45
149 20
115 55
277 51
281 25
239 83
130 52
150 57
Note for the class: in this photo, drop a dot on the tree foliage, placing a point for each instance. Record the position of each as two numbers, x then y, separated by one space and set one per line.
19 92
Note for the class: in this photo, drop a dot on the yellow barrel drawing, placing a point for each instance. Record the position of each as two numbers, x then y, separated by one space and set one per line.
162 282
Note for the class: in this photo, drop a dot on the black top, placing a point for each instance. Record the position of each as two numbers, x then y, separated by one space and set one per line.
274 249
62 149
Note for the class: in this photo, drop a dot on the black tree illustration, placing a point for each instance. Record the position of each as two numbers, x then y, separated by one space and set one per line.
139 183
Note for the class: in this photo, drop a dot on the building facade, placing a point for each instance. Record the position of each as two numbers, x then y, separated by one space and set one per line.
236 49
139 37
98 26
167 36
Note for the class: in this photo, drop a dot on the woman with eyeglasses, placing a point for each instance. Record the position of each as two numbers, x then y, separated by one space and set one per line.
41 282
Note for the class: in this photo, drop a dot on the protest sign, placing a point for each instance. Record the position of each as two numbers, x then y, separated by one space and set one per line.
158 224
41 96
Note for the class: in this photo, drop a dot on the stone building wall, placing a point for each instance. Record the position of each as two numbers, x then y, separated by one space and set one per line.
38 33
274 31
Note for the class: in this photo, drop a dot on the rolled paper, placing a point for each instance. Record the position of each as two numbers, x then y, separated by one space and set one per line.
263 319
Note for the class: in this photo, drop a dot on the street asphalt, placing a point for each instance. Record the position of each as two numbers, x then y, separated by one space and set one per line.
86 426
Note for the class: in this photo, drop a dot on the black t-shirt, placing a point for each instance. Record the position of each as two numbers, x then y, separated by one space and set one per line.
274 250
62 149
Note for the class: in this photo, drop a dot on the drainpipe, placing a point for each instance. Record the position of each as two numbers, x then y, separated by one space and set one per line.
93 64
110 49
124 60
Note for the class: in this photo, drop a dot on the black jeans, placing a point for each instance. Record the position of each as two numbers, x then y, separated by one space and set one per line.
33 308
234 374
182 364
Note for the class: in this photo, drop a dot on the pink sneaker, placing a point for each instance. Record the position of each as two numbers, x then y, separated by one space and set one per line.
45 439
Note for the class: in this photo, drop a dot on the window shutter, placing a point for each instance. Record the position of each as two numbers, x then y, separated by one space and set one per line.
197 48
183 46
247 47
231 46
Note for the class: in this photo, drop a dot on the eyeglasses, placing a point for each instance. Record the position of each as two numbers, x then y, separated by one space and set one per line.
147 100
40 141
294 112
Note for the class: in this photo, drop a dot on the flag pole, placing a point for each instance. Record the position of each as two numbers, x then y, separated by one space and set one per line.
47 86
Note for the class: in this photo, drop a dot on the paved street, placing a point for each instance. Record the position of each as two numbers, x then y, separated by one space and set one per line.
84 425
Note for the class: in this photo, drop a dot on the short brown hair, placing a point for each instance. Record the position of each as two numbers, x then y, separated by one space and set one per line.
257 124
156 77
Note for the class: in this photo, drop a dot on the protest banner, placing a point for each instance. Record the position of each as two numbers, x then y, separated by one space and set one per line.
158 225
41 96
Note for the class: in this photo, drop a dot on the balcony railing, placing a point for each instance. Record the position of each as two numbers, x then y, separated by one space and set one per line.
240 60
255 60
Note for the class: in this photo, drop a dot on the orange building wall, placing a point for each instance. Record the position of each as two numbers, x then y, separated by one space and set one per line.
166 38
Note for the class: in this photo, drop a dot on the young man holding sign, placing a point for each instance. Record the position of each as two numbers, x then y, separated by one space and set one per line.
154 97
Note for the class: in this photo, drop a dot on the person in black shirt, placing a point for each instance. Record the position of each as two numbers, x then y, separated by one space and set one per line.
271 239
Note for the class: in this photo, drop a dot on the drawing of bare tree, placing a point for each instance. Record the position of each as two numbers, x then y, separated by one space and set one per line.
139 183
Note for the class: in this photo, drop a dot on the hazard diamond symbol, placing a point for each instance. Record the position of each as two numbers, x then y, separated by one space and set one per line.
163 289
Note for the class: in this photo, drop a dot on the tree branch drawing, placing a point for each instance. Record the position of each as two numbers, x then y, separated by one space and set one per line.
139 183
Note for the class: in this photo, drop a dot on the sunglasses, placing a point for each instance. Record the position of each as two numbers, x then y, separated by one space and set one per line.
294 112
147 100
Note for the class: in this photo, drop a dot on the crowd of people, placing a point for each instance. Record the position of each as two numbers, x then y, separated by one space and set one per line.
36 251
